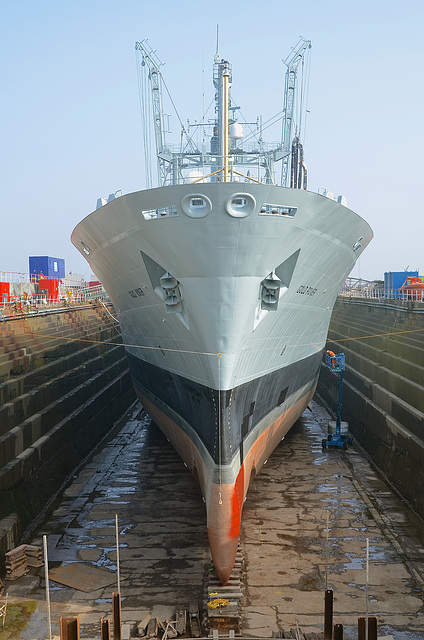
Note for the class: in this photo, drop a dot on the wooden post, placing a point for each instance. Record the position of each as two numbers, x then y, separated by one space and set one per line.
116 610
69 629
105 629
328 615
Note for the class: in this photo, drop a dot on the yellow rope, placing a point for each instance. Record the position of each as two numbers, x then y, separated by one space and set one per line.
206 353
375 335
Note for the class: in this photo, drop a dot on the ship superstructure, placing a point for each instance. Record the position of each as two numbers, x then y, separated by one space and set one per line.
224 283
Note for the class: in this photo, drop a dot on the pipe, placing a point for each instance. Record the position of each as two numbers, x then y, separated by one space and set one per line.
300 166
305 176
294 161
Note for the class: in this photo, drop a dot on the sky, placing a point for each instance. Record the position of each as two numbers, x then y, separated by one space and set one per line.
70 127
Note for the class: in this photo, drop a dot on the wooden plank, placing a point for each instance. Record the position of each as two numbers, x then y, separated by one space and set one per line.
181 624
142 626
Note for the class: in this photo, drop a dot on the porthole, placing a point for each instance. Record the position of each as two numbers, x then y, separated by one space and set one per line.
240 205
196 205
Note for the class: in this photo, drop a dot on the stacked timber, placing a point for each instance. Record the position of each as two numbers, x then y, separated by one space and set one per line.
16 563
34 555
151 627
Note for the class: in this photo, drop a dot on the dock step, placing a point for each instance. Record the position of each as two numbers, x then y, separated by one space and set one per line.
223 606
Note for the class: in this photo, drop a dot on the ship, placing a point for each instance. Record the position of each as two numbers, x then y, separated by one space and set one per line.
224 278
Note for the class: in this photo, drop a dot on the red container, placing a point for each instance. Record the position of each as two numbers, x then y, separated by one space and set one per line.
51 286
4 291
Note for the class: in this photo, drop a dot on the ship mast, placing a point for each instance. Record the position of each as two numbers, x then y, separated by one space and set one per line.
222 79
248 157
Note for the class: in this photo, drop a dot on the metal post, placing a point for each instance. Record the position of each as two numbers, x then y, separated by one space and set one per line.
116 610
328 615
46 575
369 629
372 628
366 589
339 404
338 632
105 629
117 552
69 629
326 552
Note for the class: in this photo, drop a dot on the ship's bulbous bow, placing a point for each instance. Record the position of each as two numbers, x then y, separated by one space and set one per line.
224 506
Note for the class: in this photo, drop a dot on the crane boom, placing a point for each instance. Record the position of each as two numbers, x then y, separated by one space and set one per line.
292 61
151 60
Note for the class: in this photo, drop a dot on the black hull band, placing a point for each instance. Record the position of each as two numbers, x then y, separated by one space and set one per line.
242 408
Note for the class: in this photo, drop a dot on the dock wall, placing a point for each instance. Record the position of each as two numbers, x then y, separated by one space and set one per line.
64 382
383 391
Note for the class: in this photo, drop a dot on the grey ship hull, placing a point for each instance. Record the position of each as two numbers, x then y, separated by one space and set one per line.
223 366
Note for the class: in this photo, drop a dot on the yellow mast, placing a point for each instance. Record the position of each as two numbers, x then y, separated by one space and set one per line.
226 84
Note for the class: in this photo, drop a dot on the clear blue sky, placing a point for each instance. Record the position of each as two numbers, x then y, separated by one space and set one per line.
70 121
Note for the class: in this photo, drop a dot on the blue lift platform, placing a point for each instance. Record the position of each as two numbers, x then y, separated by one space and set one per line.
336 363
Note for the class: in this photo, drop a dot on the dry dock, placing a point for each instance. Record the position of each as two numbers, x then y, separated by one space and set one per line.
383 396
164 557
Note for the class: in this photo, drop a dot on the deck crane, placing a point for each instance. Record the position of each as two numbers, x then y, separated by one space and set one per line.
289 150
151 60
177 164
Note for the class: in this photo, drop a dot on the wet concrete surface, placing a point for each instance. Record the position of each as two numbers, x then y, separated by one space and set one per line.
164 556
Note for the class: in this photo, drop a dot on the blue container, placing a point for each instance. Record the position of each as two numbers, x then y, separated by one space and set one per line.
49 267
393 280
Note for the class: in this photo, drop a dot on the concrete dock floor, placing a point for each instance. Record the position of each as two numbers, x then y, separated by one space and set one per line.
164 556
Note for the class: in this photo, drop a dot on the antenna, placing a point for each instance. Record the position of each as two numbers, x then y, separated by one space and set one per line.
217 43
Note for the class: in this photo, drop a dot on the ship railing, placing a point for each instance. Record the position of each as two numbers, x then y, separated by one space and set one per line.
253 147
21 308
23 277
29 302
408 295
24 284
257 165
14 276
